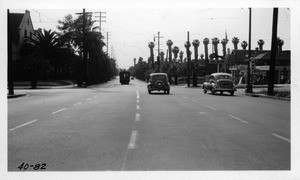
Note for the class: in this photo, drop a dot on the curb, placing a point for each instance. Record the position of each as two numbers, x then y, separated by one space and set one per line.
15 96
266 96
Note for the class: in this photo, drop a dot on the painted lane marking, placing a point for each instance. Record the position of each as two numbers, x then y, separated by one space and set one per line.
137 107
77 104
196 101
212 108
202 112
137 101
137 94
137 117
59 111
280 137
88 99
23 125
185 97
246 122
132 142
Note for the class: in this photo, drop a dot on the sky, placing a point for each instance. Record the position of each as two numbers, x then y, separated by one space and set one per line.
131 28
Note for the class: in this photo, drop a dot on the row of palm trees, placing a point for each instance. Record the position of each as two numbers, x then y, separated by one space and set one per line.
179 67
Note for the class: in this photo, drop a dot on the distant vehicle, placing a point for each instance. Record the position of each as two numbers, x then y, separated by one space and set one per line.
132 78
219 82
124 77
158 82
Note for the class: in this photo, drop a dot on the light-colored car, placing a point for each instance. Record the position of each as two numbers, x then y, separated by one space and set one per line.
158 82
219 82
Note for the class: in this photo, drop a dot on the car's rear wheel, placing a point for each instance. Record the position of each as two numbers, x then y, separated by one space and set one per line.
168 91
232 93
221 92
212 92
149 91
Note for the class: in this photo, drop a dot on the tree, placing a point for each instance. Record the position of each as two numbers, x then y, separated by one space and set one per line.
169 44
40 52
235 42
244 45
260 44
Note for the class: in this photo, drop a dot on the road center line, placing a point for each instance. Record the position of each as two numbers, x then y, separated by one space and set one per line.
23 125
132 142
88 99
77 104
137 94
59 111
137 101
137 107
212 108
238 119
137 117
280 137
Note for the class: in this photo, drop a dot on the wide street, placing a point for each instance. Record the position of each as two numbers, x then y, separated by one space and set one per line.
123 128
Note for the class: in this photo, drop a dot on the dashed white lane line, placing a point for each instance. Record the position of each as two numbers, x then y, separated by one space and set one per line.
185 97
77 104
23 125
212 108
88 99
246 122
137 94
137 117
202 112
137 101
196 101
137 107
132 142
59 111
282 138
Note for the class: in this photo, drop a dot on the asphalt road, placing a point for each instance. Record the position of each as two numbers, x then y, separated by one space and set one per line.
113 127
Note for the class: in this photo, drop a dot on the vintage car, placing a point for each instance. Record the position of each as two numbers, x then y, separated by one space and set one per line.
158 82
219 82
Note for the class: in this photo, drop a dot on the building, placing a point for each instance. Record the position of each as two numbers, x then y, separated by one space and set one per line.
238 64
20 27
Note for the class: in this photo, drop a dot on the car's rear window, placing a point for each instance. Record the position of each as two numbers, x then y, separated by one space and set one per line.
159 77
224 77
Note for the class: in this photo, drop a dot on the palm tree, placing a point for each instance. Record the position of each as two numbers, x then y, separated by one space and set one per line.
181 56
206 42
215 41
235 42
151 46
175 51
41 51
280 43
224 43
260 44
196 44
244 45
169 44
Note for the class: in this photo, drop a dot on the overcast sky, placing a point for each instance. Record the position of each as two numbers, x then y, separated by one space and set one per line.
131 28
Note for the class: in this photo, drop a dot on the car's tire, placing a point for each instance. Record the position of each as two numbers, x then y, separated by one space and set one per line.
168 91
205 91
232 93
212 92
221 92
159 84
149 91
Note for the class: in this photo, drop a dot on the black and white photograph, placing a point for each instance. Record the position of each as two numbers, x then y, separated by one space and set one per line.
149 89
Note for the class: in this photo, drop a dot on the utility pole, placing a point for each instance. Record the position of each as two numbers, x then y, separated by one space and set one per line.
9 60
158 57
84 47
107 43
273 52
249 83
188 58
100 19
